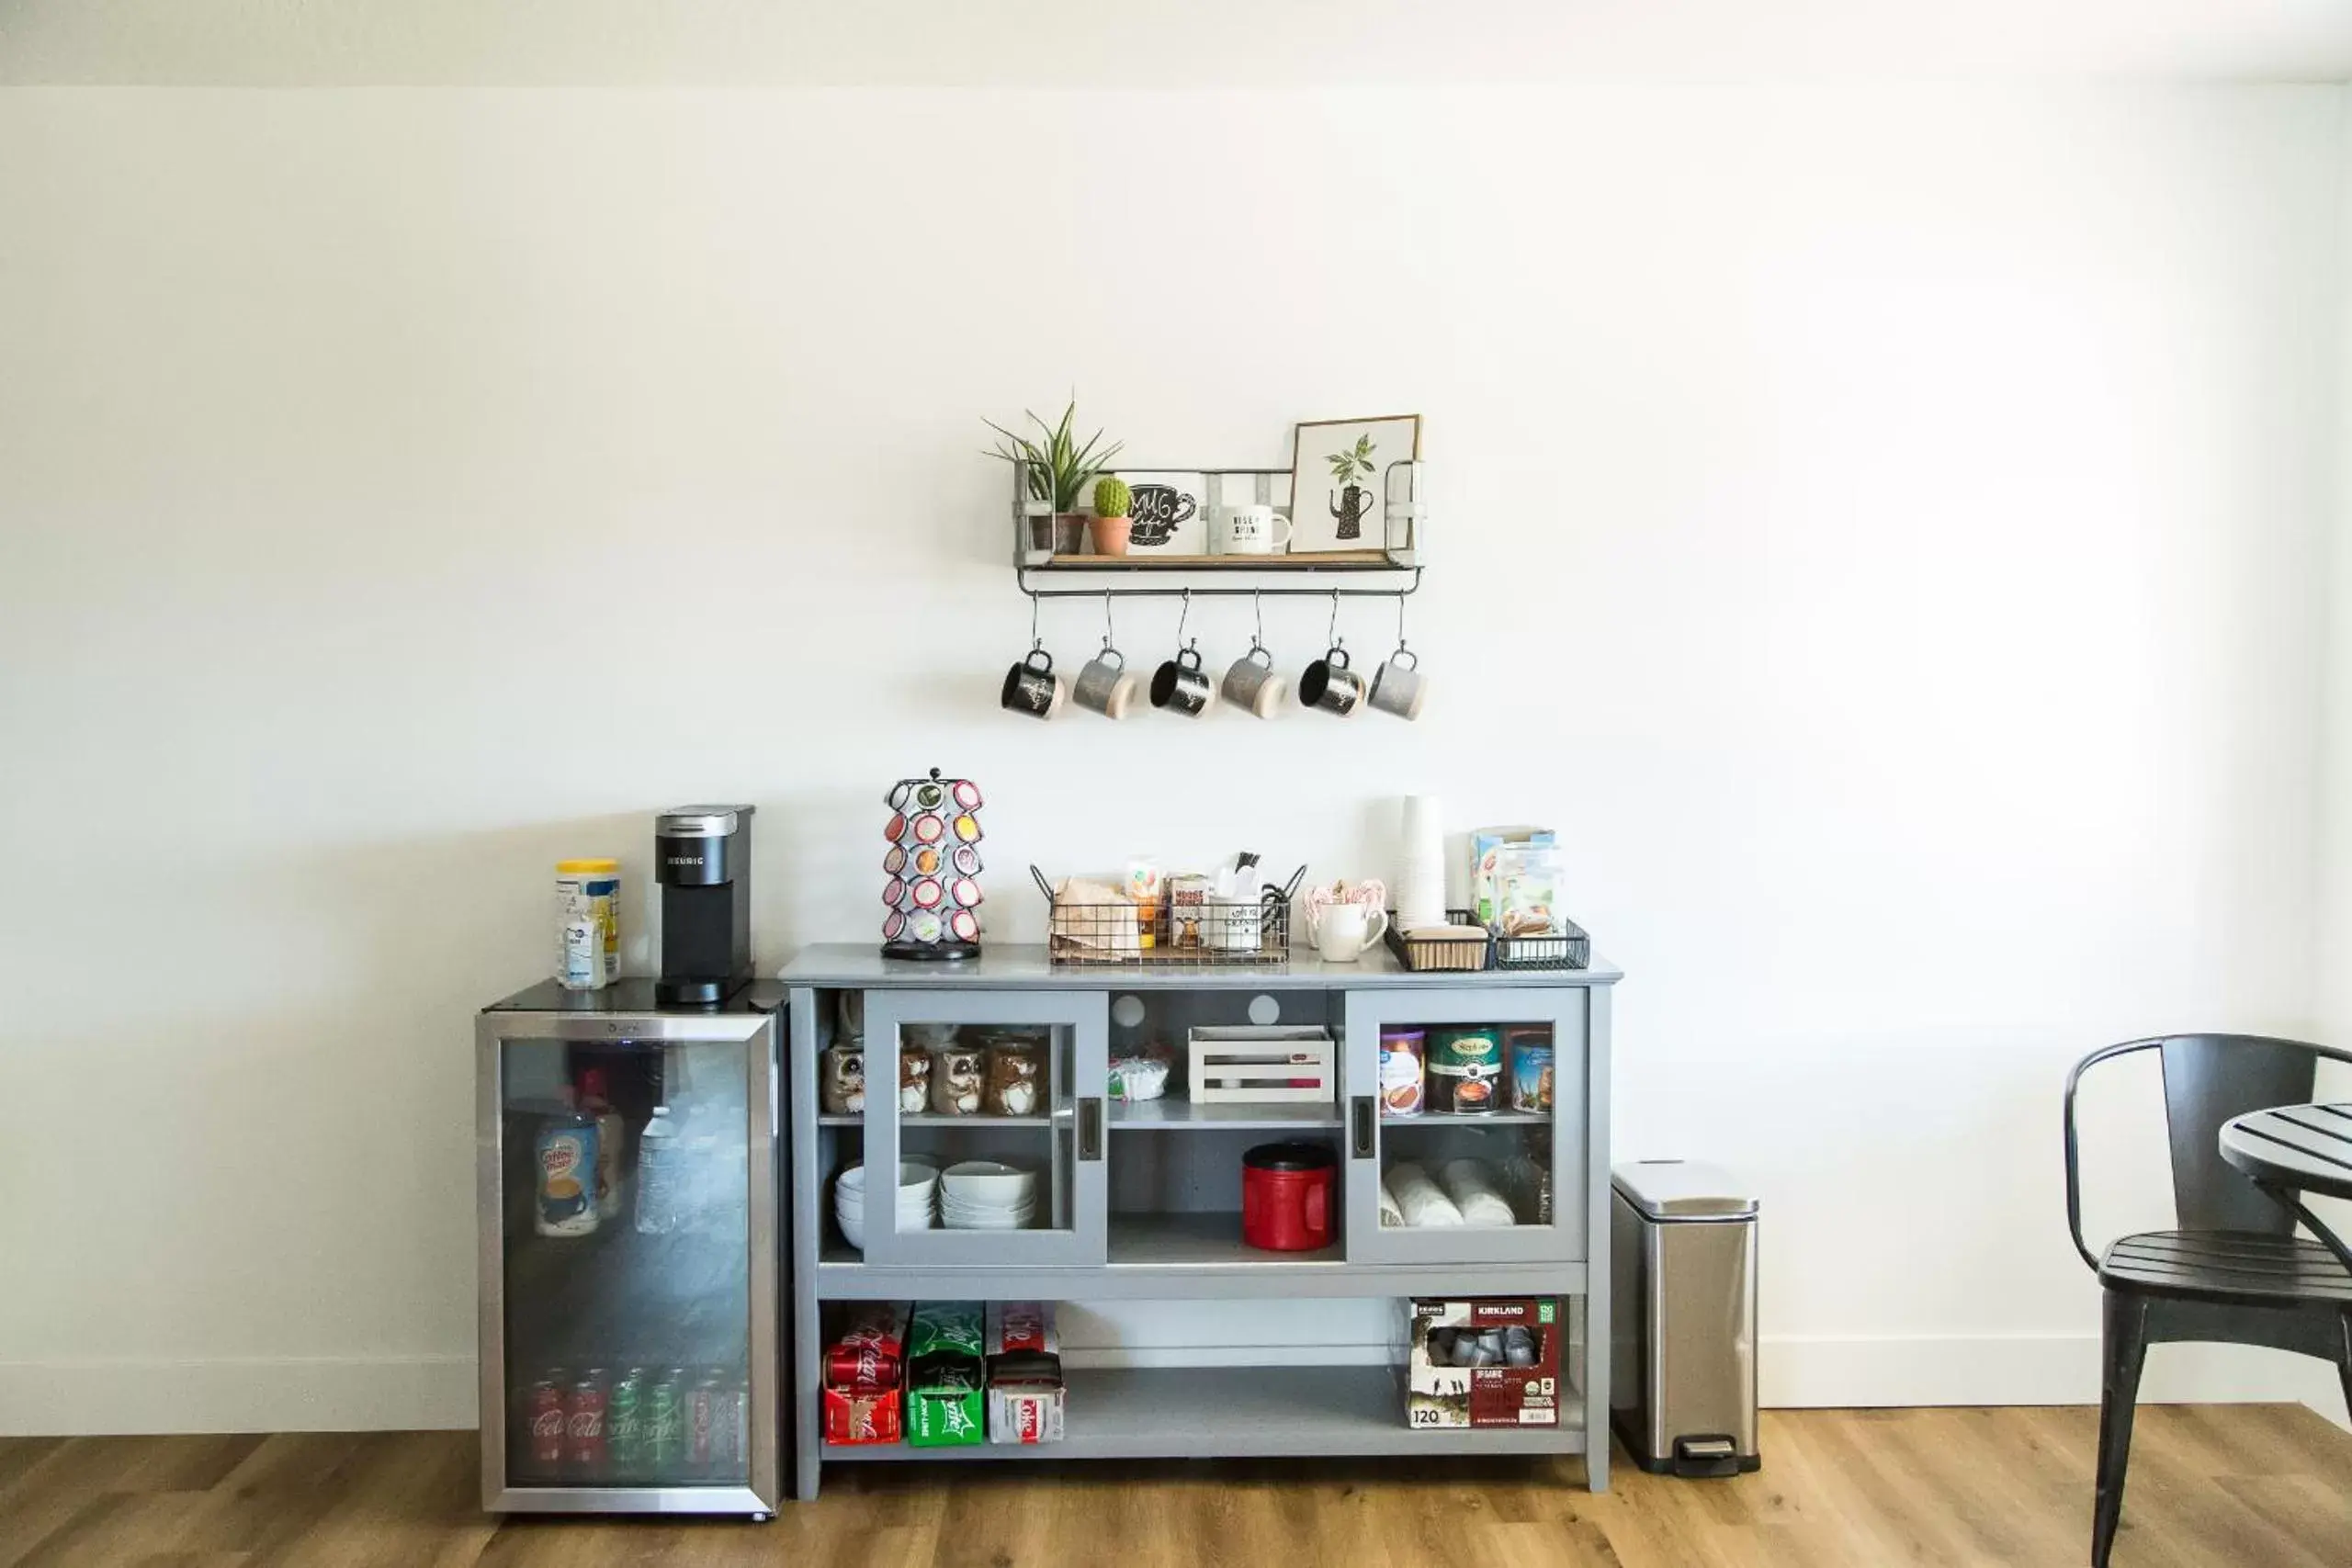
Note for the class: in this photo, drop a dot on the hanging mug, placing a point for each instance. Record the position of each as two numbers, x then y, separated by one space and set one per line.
1252 685
1031 687
1180 686
1104 686
1398 686
1330 685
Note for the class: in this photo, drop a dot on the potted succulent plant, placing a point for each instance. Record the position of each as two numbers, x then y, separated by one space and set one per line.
1111 524
1056 469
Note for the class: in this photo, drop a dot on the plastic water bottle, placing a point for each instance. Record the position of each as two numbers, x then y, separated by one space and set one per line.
657 1175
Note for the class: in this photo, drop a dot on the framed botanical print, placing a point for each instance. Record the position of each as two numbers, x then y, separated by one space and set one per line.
1339 469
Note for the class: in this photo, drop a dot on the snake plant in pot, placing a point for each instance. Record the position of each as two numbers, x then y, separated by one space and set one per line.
1056 469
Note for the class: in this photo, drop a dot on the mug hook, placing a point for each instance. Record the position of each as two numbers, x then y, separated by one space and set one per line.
1334 636
1035 641
1110 632
1183 616
1400 623
1258 608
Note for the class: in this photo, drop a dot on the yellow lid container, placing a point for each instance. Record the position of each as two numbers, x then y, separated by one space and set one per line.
587 867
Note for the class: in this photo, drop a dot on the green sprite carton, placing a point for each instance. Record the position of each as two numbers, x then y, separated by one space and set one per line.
946 1381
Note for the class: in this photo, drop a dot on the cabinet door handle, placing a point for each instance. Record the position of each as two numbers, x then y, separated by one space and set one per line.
1089 1129
1363 1126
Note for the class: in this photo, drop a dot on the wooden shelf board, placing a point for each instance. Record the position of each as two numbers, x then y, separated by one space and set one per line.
1177 1111
1326 560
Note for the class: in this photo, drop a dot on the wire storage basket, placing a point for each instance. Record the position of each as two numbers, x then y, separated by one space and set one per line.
1106 929
1568 948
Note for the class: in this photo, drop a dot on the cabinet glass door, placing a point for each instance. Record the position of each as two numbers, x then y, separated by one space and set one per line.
1466 1122
629 1244
988 1108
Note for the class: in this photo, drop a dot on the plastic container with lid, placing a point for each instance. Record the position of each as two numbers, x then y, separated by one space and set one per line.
588 893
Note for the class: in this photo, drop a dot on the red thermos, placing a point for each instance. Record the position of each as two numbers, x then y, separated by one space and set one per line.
1286 1197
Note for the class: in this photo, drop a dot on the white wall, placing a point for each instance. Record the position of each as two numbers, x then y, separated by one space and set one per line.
1884 529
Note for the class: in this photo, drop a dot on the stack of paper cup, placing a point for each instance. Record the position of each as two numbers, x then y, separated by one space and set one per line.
1420 865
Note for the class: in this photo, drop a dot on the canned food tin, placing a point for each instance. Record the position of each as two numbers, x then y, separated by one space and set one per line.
1401 1052
1531 1069
1465 1069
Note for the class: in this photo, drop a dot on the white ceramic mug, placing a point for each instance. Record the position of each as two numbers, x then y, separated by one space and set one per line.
1251 531
1343 932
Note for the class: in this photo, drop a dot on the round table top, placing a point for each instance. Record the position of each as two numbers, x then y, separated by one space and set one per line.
2305 1147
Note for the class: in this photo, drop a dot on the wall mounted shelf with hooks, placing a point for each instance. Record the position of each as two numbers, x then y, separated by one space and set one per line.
1397 560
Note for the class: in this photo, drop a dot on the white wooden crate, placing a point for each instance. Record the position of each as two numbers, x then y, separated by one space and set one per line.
1245 1066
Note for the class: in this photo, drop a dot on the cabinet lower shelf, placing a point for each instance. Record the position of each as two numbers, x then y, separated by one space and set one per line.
1245 1412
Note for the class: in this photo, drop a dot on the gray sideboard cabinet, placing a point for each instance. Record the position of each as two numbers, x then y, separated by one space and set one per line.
1141 1200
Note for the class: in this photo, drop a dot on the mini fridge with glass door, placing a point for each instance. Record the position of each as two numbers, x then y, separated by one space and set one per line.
631 1304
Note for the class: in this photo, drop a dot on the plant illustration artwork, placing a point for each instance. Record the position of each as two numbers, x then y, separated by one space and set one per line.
1350 505
1344 479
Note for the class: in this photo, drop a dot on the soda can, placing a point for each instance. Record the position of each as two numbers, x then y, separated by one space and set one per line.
729 1437
544 1419
625 1423
666 1421
583 1437
702 1412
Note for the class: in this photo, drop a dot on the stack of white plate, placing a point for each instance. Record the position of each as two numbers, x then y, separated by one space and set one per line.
918 1188
982 1195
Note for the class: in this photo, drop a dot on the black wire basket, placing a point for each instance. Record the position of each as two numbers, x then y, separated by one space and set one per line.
1121 933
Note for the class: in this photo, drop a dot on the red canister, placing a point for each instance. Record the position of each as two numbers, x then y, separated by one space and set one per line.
1286 1195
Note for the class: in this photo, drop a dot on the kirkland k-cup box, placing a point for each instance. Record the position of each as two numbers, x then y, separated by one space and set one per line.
1491 1361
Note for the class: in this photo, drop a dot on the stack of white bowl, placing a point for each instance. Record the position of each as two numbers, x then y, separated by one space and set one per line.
918 1188
983 1195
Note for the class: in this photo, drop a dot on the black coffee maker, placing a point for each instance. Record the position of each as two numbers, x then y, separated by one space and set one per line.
702 858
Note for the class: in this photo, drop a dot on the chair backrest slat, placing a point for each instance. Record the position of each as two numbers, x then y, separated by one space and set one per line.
2208 1079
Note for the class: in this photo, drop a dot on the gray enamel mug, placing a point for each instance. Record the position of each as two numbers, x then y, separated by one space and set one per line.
1252 685
1398 686
1104 686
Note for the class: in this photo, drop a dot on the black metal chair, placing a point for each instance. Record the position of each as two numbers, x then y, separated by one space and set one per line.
2235 1271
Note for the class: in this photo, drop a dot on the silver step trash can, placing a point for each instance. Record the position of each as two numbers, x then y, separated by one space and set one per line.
1682 1315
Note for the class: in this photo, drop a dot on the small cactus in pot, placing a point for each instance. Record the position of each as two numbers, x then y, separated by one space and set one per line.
1111 524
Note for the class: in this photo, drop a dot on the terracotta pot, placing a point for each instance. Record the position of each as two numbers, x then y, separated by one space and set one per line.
1069 533
1111 534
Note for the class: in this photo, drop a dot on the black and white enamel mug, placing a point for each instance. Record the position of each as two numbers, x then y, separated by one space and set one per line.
1180 686
1031 687
1252 685
1104 686
1330 685
1398 686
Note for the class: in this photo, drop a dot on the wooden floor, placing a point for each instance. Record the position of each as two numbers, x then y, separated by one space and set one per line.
2245 1487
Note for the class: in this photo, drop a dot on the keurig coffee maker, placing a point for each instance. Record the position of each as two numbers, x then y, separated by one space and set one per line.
702 857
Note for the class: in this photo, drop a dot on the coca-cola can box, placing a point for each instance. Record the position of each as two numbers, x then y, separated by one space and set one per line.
869 1351
1490 1362
1025 1413
1015 1327
862 1416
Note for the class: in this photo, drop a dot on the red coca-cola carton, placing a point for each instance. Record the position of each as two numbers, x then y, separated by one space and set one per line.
870 1351
865 1372
1491 1361
871 1415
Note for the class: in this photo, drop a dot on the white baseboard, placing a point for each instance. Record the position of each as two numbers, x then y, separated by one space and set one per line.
1819 1372
260 1395
415 1393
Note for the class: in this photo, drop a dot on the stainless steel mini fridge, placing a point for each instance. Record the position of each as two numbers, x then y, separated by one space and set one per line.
627 1164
